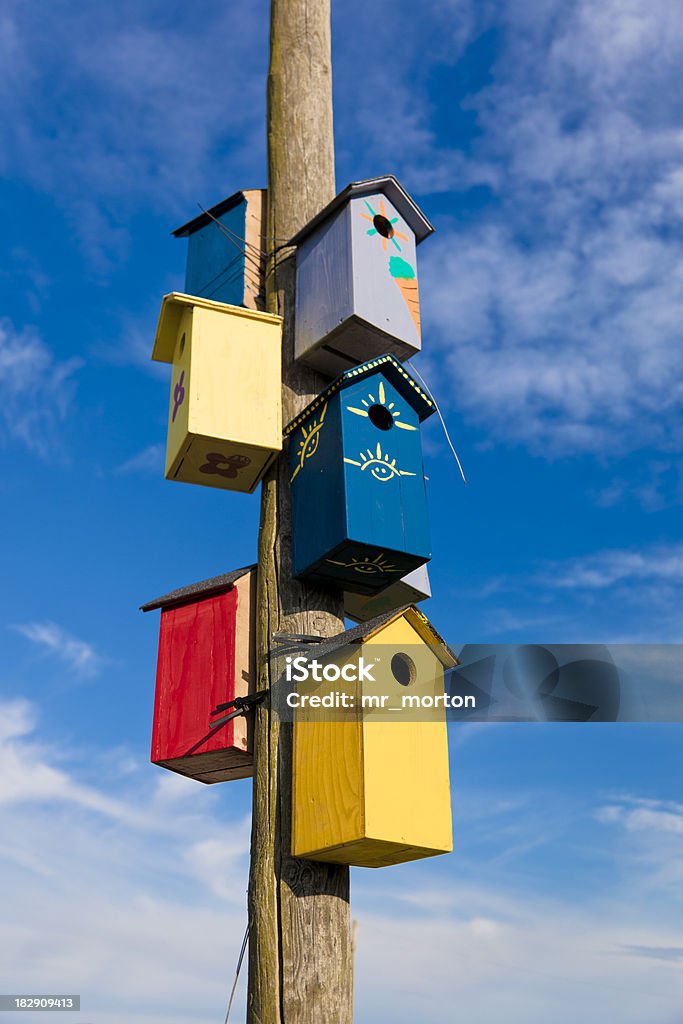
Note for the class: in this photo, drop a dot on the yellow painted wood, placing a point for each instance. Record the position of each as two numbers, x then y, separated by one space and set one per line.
372 790
225 409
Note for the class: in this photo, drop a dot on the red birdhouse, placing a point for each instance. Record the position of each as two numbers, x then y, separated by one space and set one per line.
206 658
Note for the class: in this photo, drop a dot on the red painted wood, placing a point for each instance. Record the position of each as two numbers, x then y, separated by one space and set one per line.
195 672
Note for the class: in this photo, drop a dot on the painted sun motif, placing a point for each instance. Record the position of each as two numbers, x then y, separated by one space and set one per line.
381 467
383 226
310 439
371 404
367 566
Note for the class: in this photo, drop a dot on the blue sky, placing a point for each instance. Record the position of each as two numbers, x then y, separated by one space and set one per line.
545 142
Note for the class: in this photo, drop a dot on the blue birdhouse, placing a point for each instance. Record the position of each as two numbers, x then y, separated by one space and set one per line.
224 251
359 507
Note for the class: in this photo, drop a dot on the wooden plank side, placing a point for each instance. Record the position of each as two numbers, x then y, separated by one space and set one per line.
406 772
328 800
195 672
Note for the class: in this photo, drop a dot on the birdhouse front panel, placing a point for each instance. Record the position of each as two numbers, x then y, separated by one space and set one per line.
357 289
370 788
224 422
206 654
204 660
225 251
359 508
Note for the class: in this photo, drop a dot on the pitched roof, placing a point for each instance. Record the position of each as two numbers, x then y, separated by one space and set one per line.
197 591
392 189
396 374
365 630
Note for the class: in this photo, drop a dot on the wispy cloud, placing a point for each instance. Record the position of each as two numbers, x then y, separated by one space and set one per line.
36 389
78 655
663 563
558 309
133 118
149 460
128 874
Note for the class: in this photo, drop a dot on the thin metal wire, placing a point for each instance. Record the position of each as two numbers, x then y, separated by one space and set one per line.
443 424
237 973
235 238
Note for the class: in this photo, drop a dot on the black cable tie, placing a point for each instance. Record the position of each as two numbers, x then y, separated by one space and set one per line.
296 638
241 705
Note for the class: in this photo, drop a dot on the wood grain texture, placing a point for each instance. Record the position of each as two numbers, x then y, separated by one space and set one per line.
372 789
300 957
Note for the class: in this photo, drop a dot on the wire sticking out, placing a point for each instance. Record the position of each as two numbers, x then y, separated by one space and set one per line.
443 424
237 973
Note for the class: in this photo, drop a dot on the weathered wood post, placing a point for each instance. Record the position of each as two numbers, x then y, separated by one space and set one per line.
300 957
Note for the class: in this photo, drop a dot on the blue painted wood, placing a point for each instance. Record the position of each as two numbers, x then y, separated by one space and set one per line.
215 265
359 507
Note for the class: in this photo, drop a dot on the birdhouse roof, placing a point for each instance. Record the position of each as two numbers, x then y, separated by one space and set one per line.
198 591
392 189
365 630
395 373
206 216
173 306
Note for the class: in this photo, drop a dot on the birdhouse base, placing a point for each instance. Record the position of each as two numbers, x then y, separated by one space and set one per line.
216 766
226 464
361 569
352 342
367 852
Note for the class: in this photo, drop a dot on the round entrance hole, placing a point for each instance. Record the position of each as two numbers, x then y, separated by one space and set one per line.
380 417
383 226
403 669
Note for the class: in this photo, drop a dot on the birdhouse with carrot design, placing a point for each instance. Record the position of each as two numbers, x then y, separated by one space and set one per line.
359 507
356 278
225 412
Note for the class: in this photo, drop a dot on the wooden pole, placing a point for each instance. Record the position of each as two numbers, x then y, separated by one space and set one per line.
300 957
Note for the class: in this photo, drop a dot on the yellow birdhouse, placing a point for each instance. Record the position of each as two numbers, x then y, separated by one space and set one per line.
371 782
225 413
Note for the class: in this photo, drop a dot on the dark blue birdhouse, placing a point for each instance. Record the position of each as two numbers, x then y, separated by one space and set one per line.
359 508
224 251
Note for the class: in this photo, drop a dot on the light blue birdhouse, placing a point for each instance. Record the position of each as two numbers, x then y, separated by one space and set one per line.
359 507
224 251
356 278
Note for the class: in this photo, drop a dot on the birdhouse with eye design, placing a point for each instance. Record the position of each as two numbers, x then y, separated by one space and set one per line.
356 277
359 507
225 413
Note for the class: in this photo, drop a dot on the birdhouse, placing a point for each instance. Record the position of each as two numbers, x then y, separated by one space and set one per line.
225 412
356 278
372 788
411 589
206 658
359 507
225 248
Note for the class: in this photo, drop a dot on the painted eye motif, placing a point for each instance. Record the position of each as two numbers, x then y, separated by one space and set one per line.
367 567
381 467
310 440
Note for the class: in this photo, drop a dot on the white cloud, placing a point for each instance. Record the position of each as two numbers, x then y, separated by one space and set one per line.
101 893
558 310
149 460
111 113
36 389
659 563
78 655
